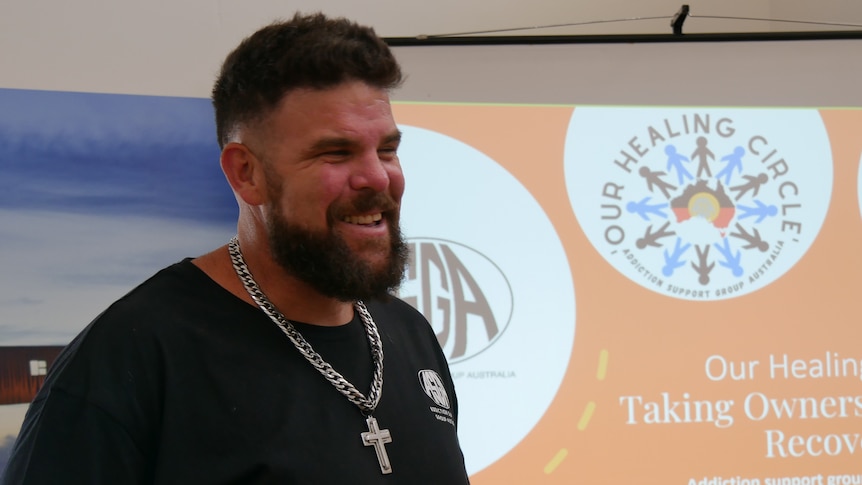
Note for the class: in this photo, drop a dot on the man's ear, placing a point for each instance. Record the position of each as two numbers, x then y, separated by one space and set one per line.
244 173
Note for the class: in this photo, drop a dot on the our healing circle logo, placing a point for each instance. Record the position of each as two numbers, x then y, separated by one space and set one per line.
699 204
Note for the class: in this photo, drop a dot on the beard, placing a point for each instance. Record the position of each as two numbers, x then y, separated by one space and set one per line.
325 261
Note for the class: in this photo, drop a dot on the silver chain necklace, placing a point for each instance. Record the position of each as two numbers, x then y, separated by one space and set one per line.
375 436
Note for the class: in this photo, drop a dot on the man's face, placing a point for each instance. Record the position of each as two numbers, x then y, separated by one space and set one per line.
335 185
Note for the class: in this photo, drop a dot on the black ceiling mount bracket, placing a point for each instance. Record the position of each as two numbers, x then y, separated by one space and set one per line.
679 19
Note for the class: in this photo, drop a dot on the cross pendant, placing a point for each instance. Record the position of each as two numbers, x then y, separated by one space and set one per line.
377 438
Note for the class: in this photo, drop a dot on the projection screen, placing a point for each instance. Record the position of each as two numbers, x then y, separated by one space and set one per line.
641 257
700 201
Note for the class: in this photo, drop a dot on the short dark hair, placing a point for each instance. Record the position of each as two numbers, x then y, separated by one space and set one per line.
308 51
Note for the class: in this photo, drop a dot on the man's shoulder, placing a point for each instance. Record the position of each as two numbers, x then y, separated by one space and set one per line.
396 308
157 316
175 289
156 303
183 275
401 322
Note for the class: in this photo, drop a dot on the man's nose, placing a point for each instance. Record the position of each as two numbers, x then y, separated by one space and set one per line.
369 172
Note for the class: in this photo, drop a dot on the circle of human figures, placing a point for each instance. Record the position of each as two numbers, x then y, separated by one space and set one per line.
728 196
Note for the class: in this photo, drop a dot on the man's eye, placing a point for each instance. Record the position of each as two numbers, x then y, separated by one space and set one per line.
336 154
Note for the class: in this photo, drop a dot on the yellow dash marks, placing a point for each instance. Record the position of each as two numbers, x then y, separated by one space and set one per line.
555 461
585 418
603 365
601 372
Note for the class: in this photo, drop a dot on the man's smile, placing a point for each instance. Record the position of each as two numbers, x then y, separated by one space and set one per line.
364 220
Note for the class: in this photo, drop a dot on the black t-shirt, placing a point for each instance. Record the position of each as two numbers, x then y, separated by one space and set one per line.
181 382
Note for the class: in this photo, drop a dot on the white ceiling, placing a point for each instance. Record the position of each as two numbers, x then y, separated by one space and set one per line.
407 18
174 47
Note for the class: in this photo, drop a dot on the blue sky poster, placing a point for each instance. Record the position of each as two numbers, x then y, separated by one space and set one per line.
98 192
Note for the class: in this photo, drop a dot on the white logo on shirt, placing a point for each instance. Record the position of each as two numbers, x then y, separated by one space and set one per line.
432 384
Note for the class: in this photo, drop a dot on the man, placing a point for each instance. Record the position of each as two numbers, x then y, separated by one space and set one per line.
262 362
